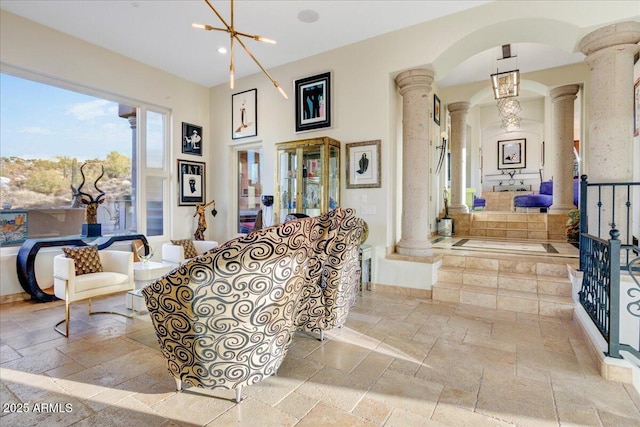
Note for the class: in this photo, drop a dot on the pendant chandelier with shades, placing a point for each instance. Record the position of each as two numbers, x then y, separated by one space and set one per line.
506 86
236 36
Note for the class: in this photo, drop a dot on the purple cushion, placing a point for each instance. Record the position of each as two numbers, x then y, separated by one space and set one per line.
546 187
533 201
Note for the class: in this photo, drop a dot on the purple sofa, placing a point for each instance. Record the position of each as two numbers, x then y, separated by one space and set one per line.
545 198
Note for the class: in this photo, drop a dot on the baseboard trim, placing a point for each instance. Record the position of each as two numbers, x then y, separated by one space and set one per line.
402 290
21 296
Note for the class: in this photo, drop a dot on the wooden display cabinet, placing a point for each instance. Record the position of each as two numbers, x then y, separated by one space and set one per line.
307 177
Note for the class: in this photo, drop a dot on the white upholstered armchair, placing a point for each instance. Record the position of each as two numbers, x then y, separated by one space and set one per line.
178 251
80 276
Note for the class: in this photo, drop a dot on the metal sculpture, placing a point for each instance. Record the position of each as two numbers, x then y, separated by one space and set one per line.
91 203
202 221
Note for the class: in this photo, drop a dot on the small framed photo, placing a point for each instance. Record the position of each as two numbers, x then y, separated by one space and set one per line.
512 154
14 225
363 164
191 183
436 109
313 102
191 139
244 114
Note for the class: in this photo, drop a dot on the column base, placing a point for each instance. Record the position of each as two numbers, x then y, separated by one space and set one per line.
414 247
459 209
561 209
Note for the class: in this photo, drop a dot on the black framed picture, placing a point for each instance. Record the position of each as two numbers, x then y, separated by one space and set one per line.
436 109
191 139
313 102
363 164
512 154
244 114
191 182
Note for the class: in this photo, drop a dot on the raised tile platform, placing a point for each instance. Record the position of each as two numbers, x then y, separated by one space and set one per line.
511 225
532 286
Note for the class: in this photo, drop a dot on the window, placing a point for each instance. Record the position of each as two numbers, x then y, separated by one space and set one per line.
48 133
249 187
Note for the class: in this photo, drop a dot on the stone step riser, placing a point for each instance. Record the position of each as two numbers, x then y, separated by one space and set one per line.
532 287
548 285
505 266
529 304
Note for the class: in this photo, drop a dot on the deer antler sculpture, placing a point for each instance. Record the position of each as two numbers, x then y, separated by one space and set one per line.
91 210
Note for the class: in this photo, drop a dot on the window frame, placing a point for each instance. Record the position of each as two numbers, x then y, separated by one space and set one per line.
141 170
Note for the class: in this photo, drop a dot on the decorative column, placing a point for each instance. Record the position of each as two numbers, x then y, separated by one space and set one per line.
561 147
458 142
610 51
415 86
130 113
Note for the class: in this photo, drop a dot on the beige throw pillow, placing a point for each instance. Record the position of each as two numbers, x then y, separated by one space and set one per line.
189 249
86 259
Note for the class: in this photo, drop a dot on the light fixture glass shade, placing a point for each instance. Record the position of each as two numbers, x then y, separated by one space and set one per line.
505 84
508 107
510 123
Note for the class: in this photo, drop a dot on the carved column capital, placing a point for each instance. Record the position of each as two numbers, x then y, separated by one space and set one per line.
413 79
561 93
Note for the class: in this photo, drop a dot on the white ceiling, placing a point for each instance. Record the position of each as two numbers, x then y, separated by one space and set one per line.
159 32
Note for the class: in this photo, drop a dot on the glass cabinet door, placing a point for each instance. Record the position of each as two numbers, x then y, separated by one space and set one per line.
307 177
288 180
311 194
334 177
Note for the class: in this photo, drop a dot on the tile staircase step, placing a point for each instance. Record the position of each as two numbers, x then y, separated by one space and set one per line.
518 282
479 296
504 299
532 287
482 278
445 291
554 287
499 263
450 274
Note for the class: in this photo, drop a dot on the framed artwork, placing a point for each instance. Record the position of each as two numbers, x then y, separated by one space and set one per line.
436 109
15 227
636 108
244 114
512 154
191 183
313 102
191 139
363 164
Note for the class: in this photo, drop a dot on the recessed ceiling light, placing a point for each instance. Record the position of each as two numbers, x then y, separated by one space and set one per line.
308 16
222 50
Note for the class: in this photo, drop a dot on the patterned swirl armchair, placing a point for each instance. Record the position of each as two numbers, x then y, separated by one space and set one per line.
225 319
333 273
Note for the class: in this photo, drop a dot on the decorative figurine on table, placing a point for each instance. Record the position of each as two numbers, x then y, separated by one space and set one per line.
202 221
90 228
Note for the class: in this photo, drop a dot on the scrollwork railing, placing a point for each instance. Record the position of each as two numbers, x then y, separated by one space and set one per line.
634 270
595 256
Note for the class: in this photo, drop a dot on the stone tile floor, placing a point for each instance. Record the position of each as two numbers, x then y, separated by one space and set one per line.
399 361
